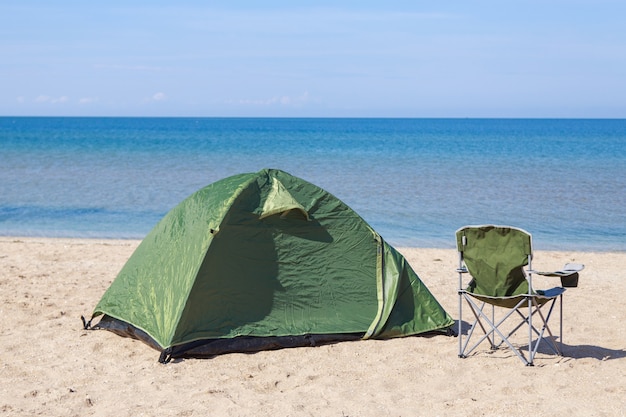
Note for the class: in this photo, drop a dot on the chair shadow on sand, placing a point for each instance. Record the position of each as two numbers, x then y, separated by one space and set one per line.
569 351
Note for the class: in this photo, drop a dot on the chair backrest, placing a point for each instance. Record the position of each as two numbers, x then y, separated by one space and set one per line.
495 257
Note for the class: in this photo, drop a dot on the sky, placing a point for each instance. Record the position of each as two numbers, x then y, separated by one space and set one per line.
273 58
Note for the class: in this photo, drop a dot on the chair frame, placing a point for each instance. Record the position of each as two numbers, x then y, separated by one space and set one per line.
529 305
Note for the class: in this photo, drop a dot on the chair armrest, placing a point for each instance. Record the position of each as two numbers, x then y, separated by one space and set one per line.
568 269
552 292
568 275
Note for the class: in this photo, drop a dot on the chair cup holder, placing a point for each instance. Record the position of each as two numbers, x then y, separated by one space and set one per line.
570 281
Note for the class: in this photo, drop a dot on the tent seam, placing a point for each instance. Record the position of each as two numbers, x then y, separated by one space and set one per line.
380 285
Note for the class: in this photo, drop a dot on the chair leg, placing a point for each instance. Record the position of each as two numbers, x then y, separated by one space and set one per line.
549 342
460 336
489 334
561 323
490 328
493 334
530 331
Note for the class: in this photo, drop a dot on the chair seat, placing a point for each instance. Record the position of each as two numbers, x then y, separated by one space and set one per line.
542 296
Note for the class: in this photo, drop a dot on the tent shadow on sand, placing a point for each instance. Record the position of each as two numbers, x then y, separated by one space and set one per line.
569 351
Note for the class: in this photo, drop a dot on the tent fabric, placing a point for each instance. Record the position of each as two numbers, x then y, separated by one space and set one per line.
265 255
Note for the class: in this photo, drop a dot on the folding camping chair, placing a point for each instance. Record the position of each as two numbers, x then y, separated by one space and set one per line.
494 257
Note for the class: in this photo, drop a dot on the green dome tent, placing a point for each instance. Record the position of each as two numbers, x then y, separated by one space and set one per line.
264 260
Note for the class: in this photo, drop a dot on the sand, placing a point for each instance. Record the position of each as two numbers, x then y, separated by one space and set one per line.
50 366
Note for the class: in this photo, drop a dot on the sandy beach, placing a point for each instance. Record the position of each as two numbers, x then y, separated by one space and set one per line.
50 366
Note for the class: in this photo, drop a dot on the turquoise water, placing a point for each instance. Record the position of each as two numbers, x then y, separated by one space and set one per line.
414 180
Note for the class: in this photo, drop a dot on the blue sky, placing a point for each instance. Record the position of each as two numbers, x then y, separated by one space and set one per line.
313 59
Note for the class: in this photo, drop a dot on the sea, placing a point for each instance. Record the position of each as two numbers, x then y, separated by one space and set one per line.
415 181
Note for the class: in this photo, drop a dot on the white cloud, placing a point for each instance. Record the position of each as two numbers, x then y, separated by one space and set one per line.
286 101
129 67
52 100
159 97
88 100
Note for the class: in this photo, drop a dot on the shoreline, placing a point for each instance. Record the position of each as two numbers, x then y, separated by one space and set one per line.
51 366
136 241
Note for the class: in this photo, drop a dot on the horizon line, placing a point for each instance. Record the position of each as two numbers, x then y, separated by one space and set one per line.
318 117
